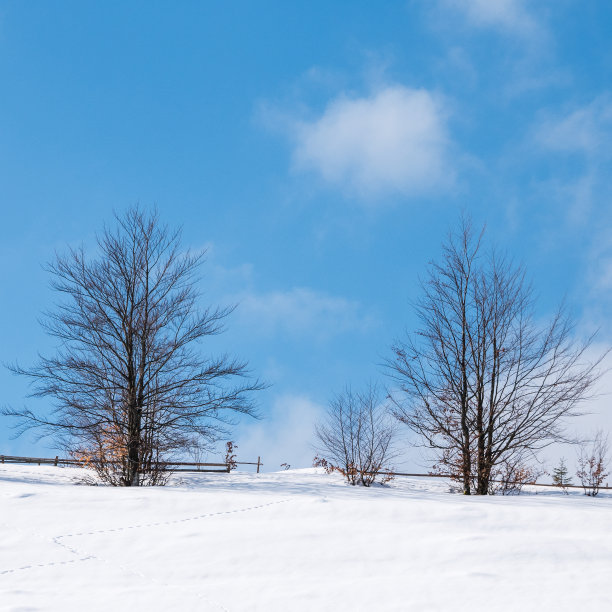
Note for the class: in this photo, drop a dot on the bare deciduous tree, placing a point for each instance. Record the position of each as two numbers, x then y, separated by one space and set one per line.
356 437
593 464
483 383
129 385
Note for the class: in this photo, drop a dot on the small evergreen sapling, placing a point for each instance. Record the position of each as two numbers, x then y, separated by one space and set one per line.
560 476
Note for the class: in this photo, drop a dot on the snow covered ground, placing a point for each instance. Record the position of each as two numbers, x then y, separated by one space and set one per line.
297 540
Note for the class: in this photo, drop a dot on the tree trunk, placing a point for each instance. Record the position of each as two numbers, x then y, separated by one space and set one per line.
484 479
465 432
134 430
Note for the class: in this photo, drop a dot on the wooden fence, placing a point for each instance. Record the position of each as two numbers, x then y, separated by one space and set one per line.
186 466
174 466
534 484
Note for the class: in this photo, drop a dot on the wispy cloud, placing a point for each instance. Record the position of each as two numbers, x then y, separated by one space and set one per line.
596 286
285 435
295 311
596 414
302 311
524 44
577 142
586 130
511 16
393 141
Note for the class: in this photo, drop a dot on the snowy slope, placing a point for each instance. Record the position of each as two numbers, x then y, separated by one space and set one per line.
293 541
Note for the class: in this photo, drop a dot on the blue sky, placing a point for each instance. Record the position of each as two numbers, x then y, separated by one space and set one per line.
321 152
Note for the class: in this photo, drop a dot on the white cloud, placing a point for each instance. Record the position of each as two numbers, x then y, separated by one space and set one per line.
596 286
392 142
579 141
302 311
587 130
285 435
507 15
295 312
596 414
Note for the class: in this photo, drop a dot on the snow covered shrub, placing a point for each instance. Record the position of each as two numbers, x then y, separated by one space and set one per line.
356 437
592 468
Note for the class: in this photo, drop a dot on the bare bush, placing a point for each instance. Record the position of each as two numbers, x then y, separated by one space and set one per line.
593 464
230 455
509 477
356 437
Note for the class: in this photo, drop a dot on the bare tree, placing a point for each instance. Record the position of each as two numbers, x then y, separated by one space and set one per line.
356 437
593 464
129 385
481 382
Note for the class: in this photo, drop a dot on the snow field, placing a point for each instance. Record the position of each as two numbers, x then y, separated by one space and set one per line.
296 540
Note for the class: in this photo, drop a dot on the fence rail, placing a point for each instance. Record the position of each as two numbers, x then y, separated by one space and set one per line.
174 466
187 466
533 484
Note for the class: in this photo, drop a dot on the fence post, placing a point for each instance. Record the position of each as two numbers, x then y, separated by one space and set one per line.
55 462
258 463
2 458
